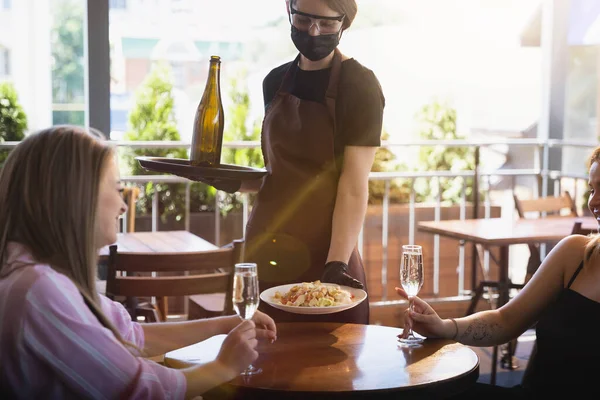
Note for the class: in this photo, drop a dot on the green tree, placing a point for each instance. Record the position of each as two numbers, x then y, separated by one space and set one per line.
152 119
13 120
67 59
386 161
237 126
437 121
238 129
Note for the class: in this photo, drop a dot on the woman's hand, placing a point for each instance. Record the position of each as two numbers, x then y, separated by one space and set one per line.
263 320
239 348
423 319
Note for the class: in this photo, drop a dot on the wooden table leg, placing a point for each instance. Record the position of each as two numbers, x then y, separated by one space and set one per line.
163 306
504 286
494 362
503 280
475 299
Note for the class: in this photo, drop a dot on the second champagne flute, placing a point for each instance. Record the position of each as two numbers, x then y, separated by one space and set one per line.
246 297
411 279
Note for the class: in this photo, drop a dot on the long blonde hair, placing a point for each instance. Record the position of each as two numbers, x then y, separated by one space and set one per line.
49 189
592 249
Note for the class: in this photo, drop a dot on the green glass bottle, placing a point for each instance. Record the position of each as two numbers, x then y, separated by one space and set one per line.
207 139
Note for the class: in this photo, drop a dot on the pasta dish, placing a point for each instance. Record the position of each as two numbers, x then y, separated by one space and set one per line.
314 294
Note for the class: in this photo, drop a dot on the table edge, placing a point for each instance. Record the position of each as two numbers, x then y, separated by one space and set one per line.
468 377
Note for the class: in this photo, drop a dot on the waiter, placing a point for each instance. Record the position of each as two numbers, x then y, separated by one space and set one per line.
322 126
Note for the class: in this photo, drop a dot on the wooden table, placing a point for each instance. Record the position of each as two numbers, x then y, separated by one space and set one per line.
157 242
160 242
501 233
331 360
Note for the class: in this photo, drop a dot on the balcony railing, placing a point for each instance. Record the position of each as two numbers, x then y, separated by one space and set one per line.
480 177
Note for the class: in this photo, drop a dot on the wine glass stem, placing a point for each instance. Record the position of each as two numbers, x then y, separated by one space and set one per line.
250 367
411 307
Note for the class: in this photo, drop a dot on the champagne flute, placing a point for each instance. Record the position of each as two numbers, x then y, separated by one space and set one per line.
411 279
246 298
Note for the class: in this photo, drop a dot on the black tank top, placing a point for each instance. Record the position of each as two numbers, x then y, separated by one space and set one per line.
568 345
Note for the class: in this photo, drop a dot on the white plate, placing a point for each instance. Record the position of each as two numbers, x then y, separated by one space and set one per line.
267 296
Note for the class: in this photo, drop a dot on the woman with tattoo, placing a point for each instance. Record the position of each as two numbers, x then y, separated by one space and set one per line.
562 299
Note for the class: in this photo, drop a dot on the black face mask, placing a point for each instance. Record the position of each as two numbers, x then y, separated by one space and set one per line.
314 48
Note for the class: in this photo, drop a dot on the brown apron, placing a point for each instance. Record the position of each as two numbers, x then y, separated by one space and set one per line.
289 230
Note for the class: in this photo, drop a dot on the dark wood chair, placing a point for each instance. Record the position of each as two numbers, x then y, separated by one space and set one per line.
179 274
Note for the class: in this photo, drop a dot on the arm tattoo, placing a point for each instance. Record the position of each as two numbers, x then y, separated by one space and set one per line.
479 330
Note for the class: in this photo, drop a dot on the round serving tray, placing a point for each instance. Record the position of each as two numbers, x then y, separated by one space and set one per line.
182 167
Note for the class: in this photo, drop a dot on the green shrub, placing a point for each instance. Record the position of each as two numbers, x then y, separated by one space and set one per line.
437 121
152 119
237 129
386 161
13 120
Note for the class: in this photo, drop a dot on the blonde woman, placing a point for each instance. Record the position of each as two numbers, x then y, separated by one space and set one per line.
60 202
562 297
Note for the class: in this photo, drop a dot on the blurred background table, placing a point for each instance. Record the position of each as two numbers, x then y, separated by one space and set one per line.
160 242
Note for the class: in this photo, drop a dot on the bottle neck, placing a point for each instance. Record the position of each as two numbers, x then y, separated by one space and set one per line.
214 74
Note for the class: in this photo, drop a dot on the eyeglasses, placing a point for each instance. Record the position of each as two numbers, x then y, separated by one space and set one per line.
325 25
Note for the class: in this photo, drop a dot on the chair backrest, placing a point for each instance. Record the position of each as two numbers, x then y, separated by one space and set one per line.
206 272
579 230
130 195
562 205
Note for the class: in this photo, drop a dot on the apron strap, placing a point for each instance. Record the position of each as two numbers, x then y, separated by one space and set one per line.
332 89
288 76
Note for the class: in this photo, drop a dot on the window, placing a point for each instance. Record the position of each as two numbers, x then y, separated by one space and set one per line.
68 70
6 4
178 74
581 91
4 62
118 4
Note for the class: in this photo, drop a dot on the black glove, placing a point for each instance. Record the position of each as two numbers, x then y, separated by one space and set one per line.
336 272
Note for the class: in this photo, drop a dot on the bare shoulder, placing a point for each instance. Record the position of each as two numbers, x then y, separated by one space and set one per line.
570 251
575 243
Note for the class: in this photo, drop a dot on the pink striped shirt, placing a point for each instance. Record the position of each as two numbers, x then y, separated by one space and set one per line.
52 346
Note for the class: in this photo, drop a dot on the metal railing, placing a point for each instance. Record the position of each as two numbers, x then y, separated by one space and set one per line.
480 178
